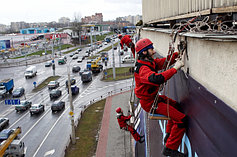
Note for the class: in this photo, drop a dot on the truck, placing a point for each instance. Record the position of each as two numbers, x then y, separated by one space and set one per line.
30 72
6 86
13 146
96 66
16 148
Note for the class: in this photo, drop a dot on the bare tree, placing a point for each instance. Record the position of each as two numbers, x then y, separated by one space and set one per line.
77 27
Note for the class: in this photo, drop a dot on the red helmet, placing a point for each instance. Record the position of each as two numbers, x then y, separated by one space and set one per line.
142 44
119 110
120 36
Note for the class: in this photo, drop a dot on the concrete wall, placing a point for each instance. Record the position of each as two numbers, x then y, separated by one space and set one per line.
211 63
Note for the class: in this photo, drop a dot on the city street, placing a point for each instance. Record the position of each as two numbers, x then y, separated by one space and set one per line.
49 133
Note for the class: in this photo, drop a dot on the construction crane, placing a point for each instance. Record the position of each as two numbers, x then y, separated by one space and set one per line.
5 145
95 66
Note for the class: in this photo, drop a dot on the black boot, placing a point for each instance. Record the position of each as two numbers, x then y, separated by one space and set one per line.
166 137
172 153
142 139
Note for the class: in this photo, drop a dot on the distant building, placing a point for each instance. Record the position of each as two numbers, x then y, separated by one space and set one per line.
95 19
64 20
3 28
131 19
36 30
16 26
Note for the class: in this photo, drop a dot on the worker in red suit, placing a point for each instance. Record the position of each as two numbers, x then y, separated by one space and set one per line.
122 120
148 81
127 41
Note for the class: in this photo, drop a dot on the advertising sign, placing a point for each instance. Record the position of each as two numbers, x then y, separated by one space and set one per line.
5 44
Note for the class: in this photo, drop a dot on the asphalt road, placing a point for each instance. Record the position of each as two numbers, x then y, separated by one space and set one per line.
48 133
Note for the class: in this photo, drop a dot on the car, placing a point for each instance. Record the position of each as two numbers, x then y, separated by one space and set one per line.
78 50
24 105
79 59
72 81
82 71
3 123
76 69
71 55
61 61
75 57
4 134
87 54
58 106
86 76
55 93
128 58
36 108
48 64
53 84
18 92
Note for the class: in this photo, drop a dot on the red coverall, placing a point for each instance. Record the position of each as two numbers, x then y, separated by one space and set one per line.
126 40
147 85
122 120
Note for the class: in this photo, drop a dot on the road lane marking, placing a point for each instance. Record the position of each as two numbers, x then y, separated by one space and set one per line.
51 152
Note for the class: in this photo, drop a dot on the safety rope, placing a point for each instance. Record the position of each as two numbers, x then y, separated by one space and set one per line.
167 64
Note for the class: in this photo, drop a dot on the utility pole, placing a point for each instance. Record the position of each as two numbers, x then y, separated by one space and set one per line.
91 38
114 75
71 107
25 51
53 65
119 54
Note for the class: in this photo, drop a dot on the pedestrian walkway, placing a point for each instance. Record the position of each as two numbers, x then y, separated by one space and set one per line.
114 142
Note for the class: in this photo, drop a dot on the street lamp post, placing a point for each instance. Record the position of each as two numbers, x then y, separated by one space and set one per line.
71 106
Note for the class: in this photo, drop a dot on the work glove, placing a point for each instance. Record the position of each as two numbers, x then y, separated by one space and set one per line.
179 63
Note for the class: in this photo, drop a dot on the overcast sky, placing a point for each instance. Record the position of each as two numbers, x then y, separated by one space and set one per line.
52 10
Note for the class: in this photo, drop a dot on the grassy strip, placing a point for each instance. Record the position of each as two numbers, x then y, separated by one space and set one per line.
108 48
45 83
121 73
87 131
65 46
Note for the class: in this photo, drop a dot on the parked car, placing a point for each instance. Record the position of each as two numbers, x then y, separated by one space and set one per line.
4 134
72 81
76 69
79 59
23 106
18 92
48 64
3 123
36 108
53 84
78 50
58 106
55 93
75 57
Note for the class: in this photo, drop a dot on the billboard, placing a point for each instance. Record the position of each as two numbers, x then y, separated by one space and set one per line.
5 44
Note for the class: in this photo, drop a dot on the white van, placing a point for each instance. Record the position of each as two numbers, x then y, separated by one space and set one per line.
30 72
128 58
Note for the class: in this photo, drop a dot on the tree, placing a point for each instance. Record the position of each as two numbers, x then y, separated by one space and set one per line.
77 27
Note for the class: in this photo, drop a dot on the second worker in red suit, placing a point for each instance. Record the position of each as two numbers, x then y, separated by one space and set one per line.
127 41
122 120
148 81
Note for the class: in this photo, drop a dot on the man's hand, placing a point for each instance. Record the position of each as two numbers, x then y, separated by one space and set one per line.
179 63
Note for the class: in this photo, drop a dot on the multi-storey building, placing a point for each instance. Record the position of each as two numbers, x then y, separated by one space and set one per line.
97 18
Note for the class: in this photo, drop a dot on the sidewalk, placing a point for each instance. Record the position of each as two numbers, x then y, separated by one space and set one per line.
114 142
